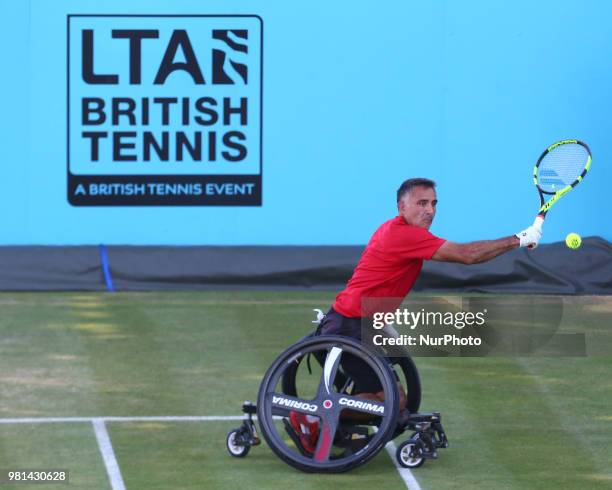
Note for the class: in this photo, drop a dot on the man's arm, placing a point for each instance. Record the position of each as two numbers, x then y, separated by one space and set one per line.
475 252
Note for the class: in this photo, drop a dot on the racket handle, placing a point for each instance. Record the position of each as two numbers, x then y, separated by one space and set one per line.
537 223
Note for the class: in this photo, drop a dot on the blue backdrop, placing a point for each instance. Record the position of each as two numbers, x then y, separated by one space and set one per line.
357 96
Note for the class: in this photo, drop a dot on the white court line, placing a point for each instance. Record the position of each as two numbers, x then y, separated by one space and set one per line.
405 473
106 449
64 420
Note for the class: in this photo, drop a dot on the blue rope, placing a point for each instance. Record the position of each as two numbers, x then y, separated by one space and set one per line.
106 269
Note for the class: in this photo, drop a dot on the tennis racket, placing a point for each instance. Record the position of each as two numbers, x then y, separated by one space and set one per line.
559 169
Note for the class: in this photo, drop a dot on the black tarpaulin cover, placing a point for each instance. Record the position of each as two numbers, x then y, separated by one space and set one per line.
551 269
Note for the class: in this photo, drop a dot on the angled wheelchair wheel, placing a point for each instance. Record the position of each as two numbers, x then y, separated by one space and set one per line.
350 430
409 377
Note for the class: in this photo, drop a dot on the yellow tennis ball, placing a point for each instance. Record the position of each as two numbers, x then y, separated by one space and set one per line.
573 240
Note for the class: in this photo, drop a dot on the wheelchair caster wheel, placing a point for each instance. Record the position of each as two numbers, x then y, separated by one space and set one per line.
409 454
237 446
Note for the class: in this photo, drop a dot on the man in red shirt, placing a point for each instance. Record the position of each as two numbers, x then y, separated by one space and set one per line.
389 267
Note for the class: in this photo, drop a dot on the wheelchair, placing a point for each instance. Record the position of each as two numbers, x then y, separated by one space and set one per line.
351 429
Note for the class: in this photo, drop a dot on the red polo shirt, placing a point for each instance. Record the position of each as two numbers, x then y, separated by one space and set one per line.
388 268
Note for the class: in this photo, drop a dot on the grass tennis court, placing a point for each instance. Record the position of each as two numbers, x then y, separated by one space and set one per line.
512 422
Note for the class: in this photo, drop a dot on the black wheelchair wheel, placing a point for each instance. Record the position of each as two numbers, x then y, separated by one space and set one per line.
403 366
411 380
341 444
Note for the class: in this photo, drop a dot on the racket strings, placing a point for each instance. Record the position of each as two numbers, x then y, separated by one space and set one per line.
561 166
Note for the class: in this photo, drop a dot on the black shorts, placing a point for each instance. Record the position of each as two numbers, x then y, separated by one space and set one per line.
365 379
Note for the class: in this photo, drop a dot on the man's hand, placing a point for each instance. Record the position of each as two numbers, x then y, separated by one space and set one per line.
530 237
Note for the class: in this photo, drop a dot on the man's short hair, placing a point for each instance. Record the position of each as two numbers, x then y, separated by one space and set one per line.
409 184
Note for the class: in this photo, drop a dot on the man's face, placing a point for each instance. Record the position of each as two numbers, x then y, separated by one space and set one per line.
418 207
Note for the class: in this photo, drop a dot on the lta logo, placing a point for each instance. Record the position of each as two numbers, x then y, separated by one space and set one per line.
164 110
234 47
